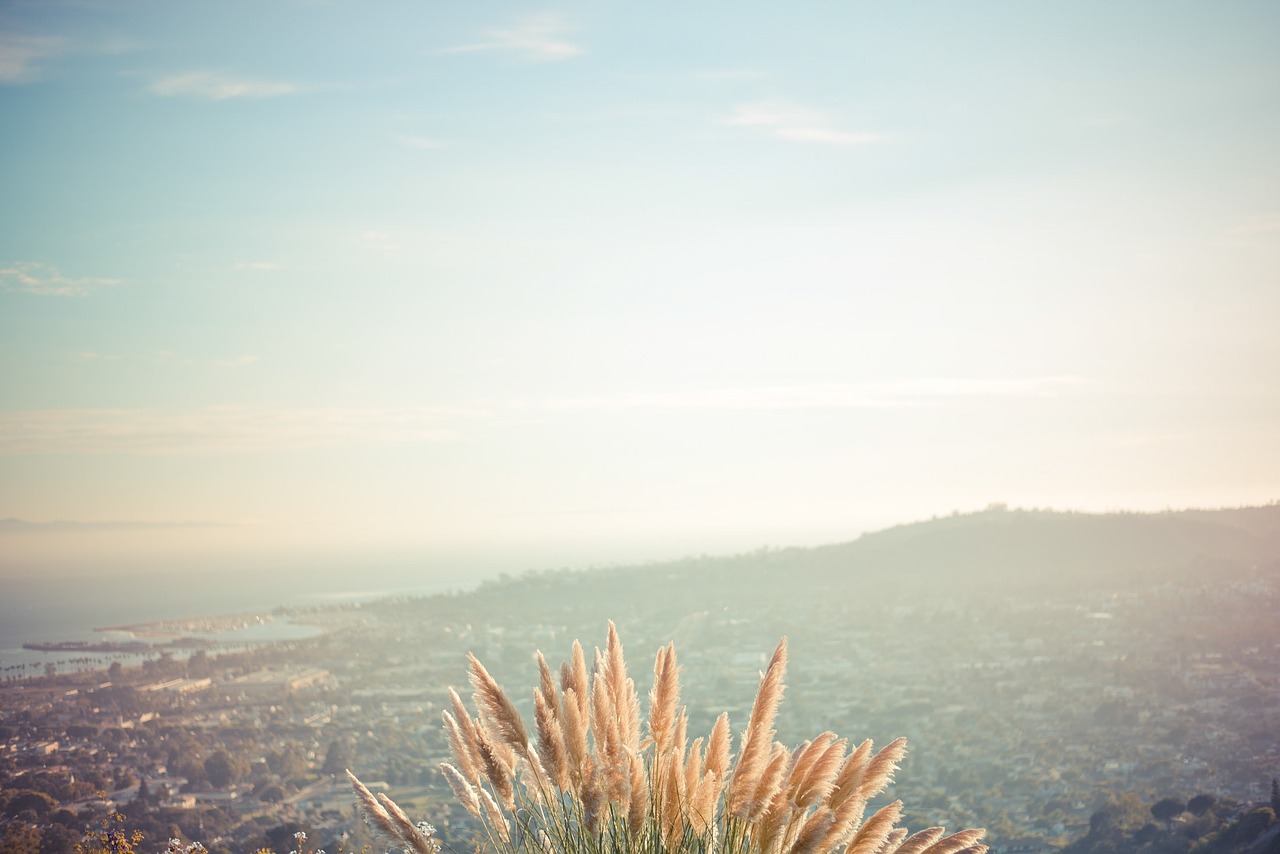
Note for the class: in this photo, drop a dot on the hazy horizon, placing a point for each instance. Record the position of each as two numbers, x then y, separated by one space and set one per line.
504 287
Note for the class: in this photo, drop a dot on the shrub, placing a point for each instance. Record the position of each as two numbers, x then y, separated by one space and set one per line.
589 783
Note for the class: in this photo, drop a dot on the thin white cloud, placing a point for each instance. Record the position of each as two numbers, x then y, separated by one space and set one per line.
797 124
21 57
906 393
216 86
538 38
25 58
259 266
213 430
43 280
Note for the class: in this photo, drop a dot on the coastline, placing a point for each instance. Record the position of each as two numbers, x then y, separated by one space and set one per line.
135 643
55 622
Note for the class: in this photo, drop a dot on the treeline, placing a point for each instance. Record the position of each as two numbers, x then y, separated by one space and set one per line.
1204 824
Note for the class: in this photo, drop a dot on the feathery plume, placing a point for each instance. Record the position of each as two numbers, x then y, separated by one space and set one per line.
672 804
851 774
546 685
693 767
495 769
893 840
462 790
770 782
551 746
664 697
575 738
919 842
497 712
373 811
467 753
880 769
813 831
577 673
494 815
815 772
702 802
461 748
718 747
956 842
872 835
409 834
848 818
757 739
638 807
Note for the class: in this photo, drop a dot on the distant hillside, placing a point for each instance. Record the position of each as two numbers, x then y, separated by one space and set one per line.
1033 547
996 549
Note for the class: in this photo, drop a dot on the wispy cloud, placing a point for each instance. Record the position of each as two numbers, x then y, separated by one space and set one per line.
21 56
906 393
538 38
258 266
25 58
217 86
797 124
43 280
220 429
248 429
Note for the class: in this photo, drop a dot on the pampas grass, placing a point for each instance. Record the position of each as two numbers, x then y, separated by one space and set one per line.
587 783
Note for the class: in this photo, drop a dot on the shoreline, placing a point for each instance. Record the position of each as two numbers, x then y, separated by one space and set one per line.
180 638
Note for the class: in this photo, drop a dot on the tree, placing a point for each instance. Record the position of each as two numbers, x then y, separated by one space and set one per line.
58 839
123 779
38 802
20 838
1167 809
288 763
271 794
223 769
198 665
284 837
1201 804
337 758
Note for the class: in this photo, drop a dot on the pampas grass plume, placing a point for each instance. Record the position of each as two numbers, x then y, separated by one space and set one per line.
589 785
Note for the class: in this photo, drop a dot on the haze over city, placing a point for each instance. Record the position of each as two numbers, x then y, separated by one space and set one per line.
504 285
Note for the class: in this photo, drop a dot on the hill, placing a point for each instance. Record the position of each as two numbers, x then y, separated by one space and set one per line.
1025 551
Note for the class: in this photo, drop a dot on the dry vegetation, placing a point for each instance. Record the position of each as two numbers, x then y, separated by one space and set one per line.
588 782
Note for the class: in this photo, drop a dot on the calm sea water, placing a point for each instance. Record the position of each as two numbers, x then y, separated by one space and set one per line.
70 609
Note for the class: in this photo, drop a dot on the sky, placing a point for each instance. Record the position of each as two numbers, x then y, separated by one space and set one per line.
538 285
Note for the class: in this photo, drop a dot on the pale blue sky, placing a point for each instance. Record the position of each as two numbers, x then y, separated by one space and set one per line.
595 281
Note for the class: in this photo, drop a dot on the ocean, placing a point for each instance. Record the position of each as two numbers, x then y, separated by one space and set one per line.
52 609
